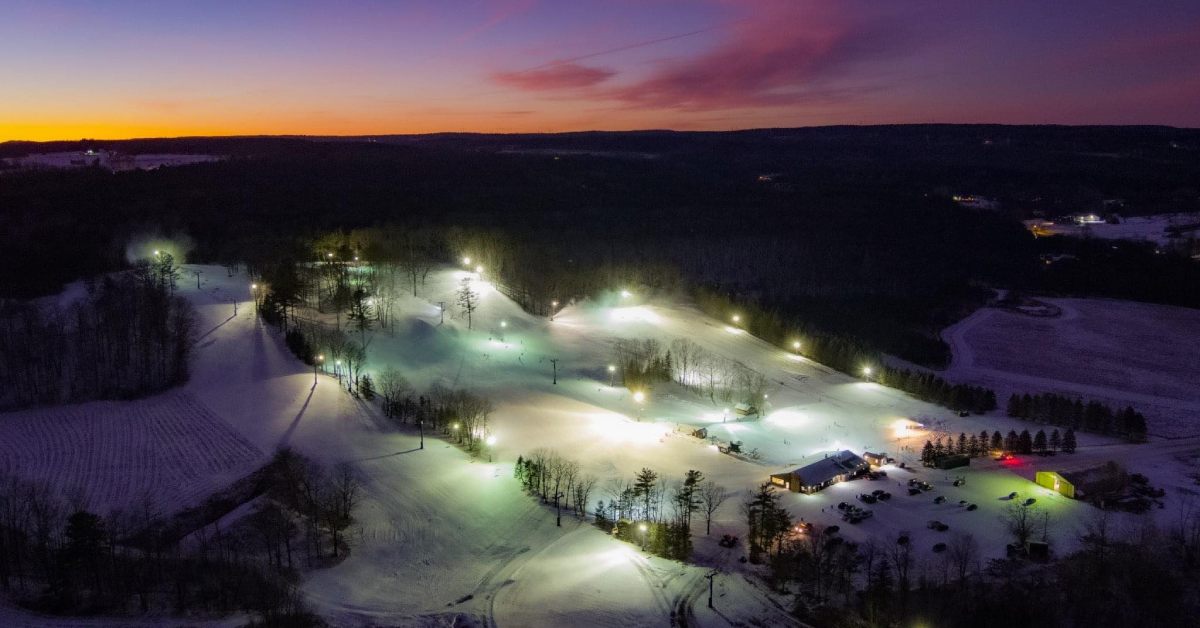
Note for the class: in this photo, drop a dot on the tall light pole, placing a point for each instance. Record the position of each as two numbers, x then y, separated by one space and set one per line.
320 359
553 307
642 528
796 346
254 295
612 375
640 398
491 444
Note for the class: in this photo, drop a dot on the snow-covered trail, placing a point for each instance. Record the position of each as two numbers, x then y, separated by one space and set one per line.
442 537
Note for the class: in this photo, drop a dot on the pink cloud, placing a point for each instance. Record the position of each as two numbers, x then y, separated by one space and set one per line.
554 77
780 52
786 52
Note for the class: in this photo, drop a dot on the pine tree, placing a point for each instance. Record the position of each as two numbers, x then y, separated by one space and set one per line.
997 442
1068 441
1055 440
1014 406
1010 441
1039 441
973 448
961 448
643 487
928 453
1025 442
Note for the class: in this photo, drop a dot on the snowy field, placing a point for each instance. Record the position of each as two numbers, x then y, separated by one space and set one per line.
1148 228
444 539
1119 352
167 448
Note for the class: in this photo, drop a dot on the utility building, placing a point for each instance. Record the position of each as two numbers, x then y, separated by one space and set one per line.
834 467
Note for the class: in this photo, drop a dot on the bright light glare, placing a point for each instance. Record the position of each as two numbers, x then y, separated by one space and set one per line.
504 323
479 269
796 345
637 314
866 370
491 440
466 261
642 527
786 418
903 428
639 396
625 294
612 369
618 429
733 330
737 318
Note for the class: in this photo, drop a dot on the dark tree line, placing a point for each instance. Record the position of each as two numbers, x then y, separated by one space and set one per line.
128 335
931 388
58 557
1119 577
982 444
1071 412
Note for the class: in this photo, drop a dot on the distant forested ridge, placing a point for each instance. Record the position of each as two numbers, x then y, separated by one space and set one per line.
845 230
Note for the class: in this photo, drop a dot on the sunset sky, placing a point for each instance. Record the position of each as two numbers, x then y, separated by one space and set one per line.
131 68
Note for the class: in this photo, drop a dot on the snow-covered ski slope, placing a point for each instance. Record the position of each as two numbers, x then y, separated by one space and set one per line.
443 538
1118 352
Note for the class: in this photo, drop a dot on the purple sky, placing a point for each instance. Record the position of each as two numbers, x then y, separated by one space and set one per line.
122 68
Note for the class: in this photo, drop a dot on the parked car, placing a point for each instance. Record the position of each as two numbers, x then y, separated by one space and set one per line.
939 548
1030 501
884 496
938 525
1012 495
867 498
832 530
971 507
939 499
914 491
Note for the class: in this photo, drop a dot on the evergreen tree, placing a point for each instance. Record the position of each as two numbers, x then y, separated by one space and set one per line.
1010 441
928 453
961 448
1055 440
1014 406
1025 442
1068 441
1039 441
644 487
973 448
997 442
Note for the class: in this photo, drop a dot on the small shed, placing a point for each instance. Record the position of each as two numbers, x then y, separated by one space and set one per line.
875 459
1055 482
745 409
952 461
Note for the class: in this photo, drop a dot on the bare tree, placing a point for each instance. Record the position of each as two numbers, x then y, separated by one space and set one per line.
712 495
467 298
